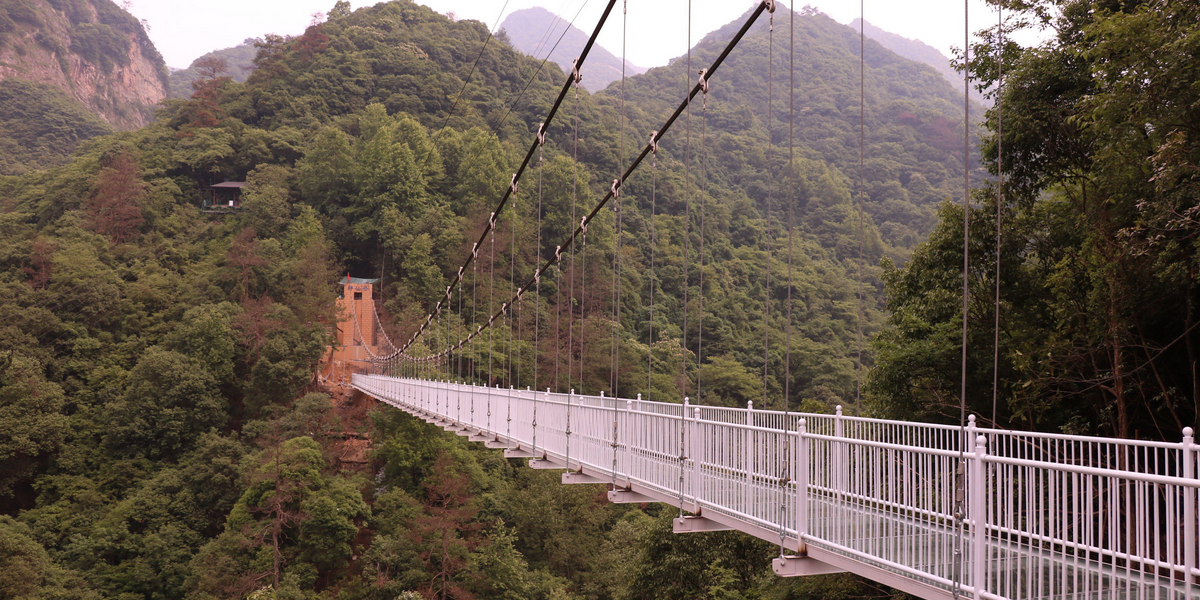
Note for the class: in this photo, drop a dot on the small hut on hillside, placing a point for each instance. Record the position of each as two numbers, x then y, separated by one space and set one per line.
223 197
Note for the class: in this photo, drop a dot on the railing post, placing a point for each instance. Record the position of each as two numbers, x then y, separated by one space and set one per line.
696 453
801 485
683 449
627 436
840 451
746 453
568 432
978 511
1189 508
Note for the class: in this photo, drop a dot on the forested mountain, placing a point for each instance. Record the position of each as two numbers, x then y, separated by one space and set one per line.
162 433
536 31
94 51
236 62
918 51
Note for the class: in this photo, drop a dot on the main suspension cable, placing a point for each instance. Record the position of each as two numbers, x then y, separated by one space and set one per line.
646 151
520 170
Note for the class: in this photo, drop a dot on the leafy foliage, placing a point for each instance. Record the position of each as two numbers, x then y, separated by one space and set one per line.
1097 276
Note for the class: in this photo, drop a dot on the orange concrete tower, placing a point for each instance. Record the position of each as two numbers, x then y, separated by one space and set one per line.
357 330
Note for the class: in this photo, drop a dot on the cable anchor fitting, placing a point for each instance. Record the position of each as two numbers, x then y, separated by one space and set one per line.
557 253
513 186
541 134
492 223
770 4
654 141
583 225
703 81
576 76
616 188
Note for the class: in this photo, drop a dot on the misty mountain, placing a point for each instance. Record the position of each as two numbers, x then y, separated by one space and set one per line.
536 31
918 51
238 64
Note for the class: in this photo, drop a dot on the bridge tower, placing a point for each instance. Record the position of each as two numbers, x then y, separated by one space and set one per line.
357 334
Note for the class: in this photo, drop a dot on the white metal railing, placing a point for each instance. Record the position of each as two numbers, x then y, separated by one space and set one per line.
1043 515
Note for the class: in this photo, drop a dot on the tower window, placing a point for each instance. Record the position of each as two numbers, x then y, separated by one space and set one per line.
358 295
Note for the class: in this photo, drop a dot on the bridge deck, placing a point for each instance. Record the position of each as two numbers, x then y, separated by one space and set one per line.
1043 516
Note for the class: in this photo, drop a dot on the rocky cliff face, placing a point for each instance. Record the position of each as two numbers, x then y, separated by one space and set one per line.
92 49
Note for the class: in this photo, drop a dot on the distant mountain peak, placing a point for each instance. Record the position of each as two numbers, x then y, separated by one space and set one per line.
915 49
535 31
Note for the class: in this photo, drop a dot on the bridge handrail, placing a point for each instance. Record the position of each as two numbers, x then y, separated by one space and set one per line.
1078 500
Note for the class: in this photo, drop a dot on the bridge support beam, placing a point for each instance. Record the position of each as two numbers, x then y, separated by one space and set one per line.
495 444
697 524
801 566
628 497
479 437
517 453
574 477
541 463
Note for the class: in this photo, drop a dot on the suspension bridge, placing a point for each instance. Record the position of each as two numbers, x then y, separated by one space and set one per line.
937 511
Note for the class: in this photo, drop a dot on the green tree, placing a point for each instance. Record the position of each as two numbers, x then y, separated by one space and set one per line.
31 421
169 403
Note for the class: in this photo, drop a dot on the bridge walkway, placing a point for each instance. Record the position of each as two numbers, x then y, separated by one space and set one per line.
1042 516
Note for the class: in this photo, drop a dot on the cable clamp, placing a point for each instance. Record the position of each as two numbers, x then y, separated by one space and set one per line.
654 141
475 250
703 81
541 134
583 225
492 222
770 4
616 188
513 185
504 308
557 253
575 75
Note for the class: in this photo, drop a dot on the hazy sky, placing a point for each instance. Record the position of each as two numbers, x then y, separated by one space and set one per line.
656 32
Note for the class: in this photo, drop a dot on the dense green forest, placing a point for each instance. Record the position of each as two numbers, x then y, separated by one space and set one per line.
162 430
